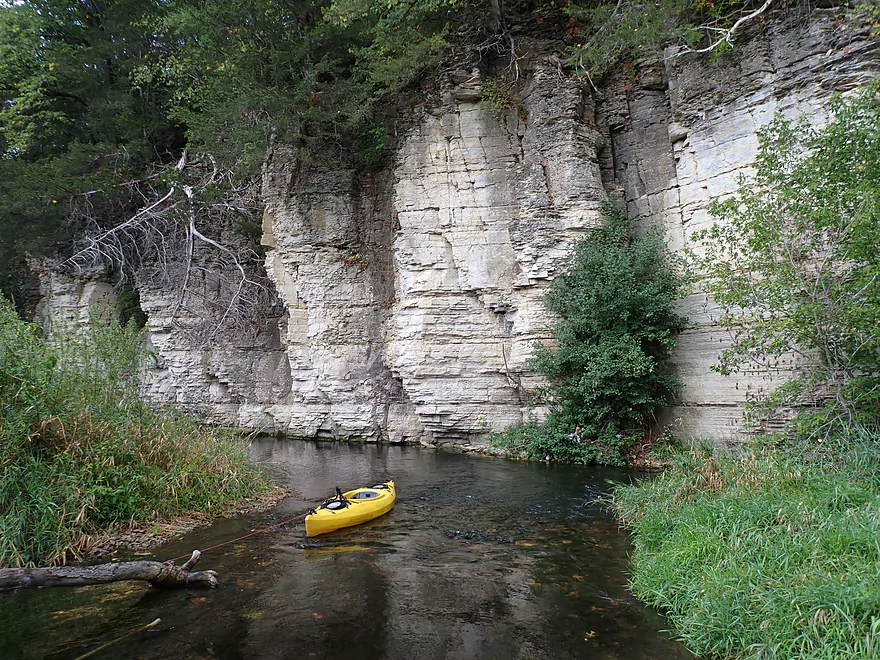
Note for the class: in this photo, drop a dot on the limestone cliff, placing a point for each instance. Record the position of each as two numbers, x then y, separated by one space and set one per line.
408 301
684 135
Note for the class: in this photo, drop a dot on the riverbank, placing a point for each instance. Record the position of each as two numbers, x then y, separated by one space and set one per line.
142 537
82 455
759 555
641 456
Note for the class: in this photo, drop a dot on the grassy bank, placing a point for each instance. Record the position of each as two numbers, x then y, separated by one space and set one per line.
80 453
760 555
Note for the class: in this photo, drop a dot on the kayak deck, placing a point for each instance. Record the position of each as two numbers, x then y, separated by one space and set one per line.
353 507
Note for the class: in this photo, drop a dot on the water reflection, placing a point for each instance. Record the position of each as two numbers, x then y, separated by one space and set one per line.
480 558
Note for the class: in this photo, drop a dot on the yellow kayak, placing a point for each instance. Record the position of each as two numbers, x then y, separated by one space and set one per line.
351 508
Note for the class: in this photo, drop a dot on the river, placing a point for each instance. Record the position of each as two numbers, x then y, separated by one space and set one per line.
480 558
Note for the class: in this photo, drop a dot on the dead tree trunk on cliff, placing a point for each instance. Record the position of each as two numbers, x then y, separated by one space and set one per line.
156 573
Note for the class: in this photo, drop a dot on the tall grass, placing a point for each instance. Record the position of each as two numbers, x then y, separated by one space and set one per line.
81 453
760 555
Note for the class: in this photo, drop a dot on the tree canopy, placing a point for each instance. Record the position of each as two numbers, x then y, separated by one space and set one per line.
72 128
101 97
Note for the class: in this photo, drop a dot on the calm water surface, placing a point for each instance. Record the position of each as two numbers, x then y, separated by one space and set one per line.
480 558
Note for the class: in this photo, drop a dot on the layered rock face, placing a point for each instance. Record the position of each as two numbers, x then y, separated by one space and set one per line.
483 210
66 301
414 300
682 136
328 238
409 301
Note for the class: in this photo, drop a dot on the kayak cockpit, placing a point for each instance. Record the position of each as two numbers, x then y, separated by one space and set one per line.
353 507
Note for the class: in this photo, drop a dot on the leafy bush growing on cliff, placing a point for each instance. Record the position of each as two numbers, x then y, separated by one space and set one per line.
771 551
794 262
80 453
606 368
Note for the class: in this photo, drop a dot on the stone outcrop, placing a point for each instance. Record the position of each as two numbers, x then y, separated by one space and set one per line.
328 237
408 301
66 300
682 136
414 299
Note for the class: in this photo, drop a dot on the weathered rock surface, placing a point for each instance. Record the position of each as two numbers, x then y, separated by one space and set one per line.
414 299
66 301
409 301
684 134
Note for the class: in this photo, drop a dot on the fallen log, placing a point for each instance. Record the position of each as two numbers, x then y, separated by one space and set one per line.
157 573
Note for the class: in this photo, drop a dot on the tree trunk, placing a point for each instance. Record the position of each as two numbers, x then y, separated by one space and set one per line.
156 573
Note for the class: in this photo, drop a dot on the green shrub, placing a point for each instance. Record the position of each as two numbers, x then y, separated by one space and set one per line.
80 453
607 366
496 96
794 264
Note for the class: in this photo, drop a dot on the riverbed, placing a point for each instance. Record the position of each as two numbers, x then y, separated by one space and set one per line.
480 558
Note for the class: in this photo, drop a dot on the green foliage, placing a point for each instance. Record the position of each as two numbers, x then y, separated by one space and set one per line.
311 73
606 32
761 556
71 126
64 77
556 439
773 552
496 96
128 307
794 262
98 97
868 11
616 327
80 453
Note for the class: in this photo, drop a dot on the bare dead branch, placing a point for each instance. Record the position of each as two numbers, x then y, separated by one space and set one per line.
726 33
159 243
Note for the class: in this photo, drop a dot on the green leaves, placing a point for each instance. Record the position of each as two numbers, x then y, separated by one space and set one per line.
794 258
96 96
80 452
310 73
606 32
616 326
72 128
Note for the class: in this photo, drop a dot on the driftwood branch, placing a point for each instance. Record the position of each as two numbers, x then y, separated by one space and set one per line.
156 573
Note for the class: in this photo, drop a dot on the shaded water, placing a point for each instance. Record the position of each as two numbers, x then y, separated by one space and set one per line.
480 558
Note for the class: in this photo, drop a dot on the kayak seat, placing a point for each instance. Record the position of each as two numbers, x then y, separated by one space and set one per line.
365 495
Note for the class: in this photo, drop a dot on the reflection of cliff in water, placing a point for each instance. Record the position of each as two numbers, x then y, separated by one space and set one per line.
480 558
